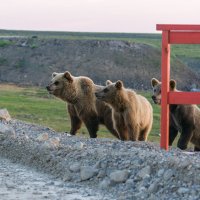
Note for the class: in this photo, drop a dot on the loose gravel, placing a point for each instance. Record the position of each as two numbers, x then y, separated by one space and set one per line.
21 182
115 169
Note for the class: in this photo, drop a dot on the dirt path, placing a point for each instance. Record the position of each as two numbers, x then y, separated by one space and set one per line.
21 182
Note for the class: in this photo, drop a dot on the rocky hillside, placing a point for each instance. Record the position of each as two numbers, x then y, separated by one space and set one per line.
31 61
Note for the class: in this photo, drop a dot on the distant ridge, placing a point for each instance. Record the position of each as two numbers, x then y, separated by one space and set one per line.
32 60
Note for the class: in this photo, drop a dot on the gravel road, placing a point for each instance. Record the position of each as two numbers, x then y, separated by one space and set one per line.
112 168
21 182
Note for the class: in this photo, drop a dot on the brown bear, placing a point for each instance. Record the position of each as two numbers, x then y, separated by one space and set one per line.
183 118
83 106
132 113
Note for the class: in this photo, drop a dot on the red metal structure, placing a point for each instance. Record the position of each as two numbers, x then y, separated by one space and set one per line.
174 34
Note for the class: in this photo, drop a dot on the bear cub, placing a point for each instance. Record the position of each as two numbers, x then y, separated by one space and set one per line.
183 118
132 113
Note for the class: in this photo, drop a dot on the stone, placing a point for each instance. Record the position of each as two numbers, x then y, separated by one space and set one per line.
144 172
119 176
79 145
67 177
55 142
161 172
87 172
153 188
7 131
43 137
75 167
4 115
105 183
182 190
168 174
102 173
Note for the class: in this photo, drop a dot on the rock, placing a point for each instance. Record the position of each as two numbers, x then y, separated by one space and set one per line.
144 172
153 188
79 145
43 137
182 190
67 177
87 172
7 131
75 167
10 185
47 145
4 115
101 173
168 174
119 176
55 142
105 183
161 172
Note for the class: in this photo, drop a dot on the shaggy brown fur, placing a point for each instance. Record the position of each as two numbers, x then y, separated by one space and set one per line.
183 118
132 113
78 92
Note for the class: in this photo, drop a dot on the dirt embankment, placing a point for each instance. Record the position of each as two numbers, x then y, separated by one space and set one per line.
31 61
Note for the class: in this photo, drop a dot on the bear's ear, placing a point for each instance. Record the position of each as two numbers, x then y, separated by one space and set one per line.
172 84
154 82
119 85
68 76
54 74
108 82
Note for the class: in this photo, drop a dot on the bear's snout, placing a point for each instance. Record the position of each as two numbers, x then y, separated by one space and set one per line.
48 88
156 100
98 96
153 97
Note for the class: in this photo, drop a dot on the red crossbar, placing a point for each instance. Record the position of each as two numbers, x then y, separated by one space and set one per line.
184 97
184 37
178 27
174 34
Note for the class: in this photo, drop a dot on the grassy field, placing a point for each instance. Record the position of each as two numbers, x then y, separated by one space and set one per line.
35 105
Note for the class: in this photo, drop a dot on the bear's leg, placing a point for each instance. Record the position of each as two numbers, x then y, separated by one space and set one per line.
110 127
143 135
133 133
172 135
75 120
185 137
196 148
122 132
75 124
92 125
119 126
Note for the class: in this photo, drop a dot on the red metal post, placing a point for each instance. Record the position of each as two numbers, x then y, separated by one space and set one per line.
165 74
174 34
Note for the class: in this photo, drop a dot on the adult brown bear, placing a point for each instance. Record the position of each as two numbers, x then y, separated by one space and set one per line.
83 106
132 113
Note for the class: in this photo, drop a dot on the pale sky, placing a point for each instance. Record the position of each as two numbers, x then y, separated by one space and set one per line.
136 16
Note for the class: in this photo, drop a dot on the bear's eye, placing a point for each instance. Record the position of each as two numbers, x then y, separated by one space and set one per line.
105 90
56 83
154 90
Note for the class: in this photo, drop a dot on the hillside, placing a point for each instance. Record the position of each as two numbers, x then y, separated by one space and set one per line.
31 61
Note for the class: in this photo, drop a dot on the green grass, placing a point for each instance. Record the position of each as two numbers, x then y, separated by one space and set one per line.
35 105
4 43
